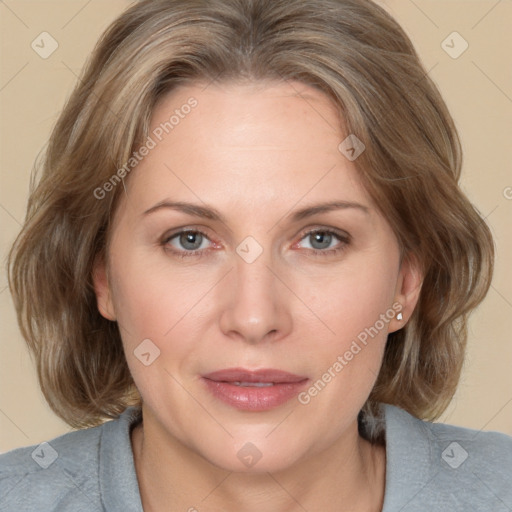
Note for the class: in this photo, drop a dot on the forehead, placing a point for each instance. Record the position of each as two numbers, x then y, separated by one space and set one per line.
252 115
252 143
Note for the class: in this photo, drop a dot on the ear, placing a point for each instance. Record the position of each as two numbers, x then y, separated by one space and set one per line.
102 289
407 292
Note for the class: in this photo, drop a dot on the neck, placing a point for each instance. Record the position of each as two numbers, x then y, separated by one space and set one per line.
349 475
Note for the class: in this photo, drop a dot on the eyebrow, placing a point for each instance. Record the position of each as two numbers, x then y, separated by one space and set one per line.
213 214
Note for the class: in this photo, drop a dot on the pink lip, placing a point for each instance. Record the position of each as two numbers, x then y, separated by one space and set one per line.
285 386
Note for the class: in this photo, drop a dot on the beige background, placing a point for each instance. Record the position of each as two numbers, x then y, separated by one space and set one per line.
477 87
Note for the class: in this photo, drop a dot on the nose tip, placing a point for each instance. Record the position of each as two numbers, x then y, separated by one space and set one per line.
255 307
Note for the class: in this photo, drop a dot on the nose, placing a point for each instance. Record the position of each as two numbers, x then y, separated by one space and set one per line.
254 303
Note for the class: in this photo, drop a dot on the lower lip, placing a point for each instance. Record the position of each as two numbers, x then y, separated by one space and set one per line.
250 398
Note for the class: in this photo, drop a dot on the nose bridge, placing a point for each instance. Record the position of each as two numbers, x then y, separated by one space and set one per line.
256 306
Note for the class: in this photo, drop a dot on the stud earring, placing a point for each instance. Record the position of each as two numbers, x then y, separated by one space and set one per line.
399 316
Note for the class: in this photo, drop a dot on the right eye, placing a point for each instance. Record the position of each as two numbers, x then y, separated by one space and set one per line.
187 243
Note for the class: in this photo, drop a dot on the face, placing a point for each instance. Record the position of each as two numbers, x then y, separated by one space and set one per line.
253 279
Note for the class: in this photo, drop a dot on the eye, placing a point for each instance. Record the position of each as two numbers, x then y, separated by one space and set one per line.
324 241
191 241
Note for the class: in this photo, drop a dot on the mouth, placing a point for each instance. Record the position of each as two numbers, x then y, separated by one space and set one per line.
254 390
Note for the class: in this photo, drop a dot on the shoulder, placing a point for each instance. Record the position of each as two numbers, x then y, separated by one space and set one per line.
447 467
490 450
47 476
59 475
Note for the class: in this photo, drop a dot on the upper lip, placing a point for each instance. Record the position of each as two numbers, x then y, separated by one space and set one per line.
261 375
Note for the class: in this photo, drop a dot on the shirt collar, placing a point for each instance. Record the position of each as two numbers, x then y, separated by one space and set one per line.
409 465
118 480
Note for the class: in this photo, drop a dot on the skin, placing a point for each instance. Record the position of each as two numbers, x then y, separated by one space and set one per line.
257 153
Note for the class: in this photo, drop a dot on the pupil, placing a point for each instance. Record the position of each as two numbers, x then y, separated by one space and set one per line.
322 240
191 240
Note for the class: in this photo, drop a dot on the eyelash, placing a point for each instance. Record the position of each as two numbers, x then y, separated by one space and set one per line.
344 238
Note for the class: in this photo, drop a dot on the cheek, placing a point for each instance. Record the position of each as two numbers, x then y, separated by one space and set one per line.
352 299
155 302
150 311
355 308
149 296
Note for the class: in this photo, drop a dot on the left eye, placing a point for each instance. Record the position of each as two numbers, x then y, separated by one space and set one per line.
320 240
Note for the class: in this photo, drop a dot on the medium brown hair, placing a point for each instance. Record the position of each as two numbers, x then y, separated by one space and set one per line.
354 52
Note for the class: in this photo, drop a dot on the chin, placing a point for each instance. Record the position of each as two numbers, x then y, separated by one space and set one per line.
255 457
272 463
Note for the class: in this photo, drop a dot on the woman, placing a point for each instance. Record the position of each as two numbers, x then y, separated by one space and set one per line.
248 248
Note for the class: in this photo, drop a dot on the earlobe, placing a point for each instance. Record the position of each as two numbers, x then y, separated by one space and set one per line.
410 280
102 289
